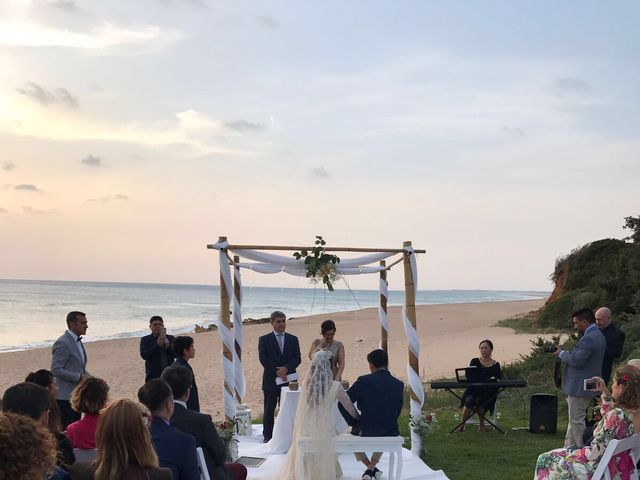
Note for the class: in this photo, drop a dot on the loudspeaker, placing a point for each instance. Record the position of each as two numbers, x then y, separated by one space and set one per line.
543 416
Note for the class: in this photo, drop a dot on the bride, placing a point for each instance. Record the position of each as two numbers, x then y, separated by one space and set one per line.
314 420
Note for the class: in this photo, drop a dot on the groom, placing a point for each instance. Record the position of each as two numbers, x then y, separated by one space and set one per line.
279 354
379 398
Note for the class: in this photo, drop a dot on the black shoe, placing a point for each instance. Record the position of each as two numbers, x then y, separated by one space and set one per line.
266 440
377 474
367 475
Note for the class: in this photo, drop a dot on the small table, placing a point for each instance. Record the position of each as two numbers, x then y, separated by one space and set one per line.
498 386
283 427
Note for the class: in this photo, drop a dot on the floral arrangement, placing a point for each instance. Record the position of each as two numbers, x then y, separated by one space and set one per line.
227 429
423 425
318 264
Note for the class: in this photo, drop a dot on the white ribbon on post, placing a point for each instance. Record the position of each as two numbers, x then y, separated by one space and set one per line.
414 345
230 402
240 383
382 315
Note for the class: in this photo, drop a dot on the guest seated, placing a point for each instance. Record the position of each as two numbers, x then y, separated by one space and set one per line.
124 446
486 370
328 342
617 423
33 401
45 379
27 448
200 426
89 397
176 450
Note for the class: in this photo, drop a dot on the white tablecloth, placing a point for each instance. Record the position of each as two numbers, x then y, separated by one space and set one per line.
283 428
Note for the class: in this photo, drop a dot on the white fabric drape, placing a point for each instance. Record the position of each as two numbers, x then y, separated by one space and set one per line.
285 261
414 345
228 367
382 315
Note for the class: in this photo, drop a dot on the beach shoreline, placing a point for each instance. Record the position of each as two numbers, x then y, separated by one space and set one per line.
449 336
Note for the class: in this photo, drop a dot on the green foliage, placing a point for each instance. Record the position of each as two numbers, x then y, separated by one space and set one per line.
633 224
605 272
319 264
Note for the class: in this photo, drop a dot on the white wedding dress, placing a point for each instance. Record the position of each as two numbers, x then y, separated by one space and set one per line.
314 420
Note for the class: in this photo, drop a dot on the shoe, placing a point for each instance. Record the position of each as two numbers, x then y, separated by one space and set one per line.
377 474
367 475
265 440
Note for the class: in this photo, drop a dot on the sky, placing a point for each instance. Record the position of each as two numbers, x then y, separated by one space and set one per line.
495 135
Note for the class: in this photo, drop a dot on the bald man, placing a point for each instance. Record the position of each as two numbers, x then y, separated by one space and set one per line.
615 340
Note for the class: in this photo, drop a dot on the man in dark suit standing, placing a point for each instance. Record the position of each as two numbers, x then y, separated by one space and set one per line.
200 426
583 362
69 364
379 398
279 354
614 338
156 350
185 350
176 450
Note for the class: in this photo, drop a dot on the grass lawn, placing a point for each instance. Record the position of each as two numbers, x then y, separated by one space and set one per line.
477 455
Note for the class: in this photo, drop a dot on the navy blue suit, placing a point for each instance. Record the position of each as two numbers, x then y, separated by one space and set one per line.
156 358
176 450
193 403
379 397
271 358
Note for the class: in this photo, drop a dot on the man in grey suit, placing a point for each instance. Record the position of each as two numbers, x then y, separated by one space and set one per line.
69 364
585 361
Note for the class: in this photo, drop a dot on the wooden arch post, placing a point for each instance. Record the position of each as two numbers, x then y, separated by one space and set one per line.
225 318
383 306
237 291
410 296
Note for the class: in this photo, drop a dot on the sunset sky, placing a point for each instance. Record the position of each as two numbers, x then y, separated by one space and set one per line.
496 135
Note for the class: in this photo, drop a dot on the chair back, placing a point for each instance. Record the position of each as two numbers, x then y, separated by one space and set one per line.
85 455
615 447
202 465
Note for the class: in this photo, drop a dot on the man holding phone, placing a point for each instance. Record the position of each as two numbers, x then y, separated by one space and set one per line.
583 362
156 349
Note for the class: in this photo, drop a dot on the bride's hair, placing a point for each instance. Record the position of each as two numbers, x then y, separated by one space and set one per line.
320 377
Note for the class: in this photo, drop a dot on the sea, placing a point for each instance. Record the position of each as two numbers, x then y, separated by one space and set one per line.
33 312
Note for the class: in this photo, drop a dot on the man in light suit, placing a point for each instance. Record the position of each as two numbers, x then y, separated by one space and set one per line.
69 364
585 361
379 398
279 354
176 450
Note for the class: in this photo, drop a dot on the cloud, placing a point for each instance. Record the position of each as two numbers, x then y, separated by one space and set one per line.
244 126
69 5
35 211
92 161
107 38
570 86
57 96
514 132
3 211
109 198
268 21
27 187
320 173
8 166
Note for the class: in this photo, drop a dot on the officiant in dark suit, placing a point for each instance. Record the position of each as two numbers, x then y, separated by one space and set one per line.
156 350
279 354
69 364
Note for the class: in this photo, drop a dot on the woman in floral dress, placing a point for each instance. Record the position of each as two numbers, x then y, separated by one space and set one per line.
617 422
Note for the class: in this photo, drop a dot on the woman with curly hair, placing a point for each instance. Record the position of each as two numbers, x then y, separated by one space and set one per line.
89 397
45 379
27 449
125 451
619 411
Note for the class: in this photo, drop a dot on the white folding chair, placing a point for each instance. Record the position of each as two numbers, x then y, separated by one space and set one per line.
85 455
202 465
615 447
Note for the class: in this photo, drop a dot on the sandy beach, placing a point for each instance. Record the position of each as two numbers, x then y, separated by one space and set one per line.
449 337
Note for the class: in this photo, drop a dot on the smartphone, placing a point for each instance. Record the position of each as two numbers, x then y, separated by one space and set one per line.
163 332
590 384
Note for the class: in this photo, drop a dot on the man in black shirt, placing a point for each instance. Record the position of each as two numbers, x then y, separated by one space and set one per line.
615 341
156 349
